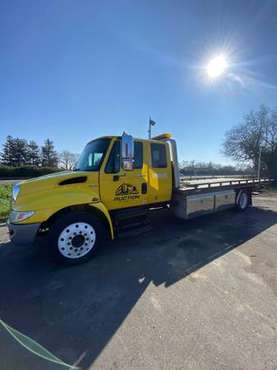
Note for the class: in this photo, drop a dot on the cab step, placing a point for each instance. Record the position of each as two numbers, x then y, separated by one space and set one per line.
131 222
134 230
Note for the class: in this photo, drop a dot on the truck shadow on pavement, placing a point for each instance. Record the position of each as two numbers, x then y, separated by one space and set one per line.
75 311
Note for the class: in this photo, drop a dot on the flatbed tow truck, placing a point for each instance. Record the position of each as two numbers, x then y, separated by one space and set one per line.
116 183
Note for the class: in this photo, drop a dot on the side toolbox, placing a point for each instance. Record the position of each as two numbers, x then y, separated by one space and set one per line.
199 204
189 206
224 199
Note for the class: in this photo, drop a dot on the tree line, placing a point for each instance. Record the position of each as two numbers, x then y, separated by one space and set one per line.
19 152
194 168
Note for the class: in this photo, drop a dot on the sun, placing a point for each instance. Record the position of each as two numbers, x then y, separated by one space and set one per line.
217 66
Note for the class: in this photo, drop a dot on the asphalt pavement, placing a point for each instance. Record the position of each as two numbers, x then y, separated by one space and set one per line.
200 294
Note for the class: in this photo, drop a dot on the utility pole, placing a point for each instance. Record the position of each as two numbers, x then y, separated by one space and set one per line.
259 163
151 123
263 141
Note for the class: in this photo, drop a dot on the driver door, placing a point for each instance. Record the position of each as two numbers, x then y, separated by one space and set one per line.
120 188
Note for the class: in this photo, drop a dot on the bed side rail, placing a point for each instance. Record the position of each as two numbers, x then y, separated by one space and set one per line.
223 183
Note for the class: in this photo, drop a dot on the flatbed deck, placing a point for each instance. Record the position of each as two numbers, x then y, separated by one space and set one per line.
194 186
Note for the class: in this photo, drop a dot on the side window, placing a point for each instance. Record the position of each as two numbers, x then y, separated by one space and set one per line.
158 155
113 164
138 149
94 159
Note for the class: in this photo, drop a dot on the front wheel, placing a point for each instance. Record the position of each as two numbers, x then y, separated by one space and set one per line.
75 237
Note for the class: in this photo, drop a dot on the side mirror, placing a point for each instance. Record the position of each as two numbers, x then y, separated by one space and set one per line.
127 152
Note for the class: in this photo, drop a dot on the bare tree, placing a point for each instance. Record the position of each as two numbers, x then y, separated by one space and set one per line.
258 132
67 159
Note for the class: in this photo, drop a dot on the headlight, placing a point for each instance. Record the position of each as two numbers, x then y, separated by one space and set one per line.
15 191
17 216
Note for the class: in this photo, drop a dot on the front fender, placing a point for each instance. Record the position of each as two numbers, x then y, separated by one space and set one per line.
101 207
46 204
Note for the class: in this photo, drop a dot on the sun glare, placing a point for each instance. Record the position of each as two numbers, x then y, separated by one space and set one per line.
217 66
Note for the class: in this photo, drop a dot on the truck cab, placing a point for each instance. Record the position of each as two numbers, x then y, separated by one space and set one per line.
116 179
143 178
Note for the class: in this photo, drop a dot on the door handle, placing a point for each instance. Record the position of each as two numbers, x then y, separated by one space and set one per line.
116 177
144 188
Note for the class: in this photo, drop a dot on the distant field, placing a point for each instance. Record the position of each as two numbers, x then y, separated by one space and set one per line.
5 196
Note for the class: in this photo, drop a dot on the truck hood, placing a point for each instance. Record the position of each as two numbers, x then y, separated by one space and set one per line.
40 191
53 179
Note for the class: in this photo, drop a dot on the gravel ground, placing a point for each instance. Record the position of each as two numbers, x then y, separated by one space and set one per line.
187 295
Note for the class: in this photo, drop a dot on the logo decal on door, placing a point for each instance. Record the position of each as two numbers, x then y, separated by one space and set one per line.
126 192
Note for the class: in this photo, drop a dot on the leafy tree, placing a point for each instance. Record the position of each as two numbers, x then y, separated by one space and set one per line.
67 159
258 132
49 155
33 154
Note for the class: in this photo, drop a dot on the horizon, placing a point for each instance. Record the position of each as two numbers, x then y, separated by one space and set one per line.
73 72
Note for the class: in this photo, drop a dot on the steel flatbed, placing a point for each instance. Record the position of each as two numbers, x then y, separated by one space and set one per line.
193 187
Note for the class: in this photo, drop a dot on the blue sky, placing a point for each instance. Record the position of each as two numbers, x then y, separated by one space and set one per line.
75 70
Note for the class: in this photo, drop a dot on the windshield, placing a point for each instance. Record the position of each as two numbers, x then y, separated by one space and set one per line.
92 156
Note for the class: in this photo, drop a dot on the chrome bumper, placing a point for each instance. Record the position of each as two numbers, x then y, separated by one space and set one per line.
23 234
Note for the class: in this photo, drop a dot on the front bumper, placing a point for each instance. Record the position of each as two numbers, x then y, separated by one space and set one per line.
23 234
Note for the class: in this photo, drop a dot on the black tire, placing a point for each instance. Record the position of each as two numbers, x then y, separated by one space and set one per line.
65 231
242 201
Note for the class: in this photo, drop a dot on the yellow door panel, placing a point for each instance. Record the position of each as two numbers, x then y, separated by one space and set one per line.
160 173
120 188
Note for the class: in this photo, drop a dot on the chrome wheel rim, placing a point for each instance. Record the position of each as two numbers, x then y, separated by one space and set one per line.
243 200
76 240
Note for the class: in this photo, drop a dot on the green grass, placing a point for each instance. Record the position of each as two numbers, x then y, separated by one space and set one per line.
5 201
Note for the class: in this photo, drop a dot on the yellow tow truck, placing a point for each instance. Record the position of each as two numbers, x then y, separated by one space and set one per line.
116 183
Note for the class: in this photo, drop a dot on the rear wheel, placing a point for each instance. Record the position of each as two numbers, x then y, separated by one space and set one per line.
75 237
242 200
